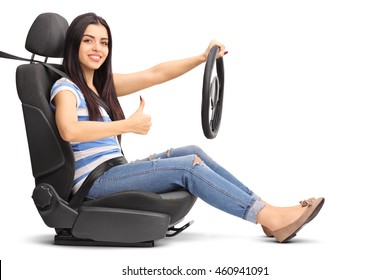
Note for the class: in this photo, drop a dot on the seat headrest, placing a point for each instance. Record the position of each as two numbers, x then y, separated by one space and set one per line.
47 35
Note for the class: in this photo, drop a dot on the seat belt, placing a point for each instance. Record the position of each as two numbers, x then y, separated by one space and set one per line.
14 57
78 198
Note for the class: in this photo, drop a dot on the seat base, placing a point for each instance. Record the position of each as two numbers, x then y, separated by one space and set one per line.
70 240
64 237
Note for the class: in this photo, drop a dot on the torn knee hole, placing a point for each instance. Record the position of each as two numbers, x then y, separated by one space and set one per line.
197 160
169 153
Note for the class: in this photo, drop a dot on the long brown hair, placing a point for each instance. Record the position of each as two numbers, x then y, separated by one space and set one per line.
102 80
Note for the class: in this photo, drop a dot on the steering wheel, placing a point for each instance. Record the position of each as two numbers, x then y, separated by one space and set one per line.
212 94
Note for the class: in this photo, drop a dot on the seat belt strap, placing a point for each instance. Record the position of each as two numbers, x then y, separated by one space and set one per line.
14 57
78 198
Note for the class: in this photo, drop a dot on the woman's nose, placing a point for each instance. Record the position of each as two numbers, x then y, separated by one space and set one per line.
96 47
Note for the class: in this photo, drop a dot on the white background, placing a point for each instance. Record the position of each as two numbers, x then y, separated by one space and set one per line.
306 113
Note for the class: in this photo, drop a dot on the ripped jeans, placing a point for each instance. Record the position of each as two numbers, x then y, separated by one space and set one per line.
187 167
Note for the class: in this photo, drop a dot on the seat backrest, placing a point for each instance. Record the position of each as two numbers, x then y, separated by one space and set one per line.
51 158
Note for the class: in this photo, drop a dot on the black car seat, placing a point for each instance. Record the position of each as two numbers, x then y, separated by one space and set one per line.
132 218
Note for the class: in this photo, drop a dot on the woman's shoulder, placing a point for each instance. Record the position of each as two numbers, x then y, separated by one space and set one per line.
64 84
64 81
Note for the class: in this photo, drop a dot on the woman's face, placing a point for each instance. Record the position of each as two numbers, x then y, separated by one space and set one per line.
93 47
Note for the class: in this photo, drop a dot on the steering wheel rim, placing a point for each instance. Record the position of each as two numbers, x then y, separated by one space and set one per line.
212 94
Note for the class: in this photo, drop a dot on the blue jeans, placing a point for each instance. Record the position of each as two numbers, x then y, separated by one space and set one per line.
187 167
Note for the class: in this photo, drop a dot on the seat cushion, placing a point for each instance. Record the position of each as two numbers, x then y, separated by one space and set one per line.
176 204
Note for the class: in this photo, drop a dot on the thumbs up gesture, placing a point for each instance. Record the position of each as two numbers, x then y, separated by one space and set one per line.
140 122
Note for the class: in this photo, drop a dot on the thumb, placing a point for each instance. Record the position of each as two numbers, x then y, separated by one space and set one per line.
141 104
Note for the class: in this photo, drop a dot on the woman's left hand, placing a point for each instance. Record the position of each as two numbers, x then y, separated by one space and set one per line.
221 52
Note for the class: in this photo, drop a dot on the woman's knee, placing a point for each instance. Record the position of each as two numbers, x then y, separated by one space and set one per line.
196 150
186 150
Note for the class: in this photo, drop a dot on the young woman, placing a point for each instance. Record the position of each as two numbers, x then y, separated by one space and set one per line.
93 132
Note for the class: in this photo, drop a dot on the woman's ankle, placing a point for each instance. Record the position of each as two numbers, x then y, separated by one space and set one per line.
264 216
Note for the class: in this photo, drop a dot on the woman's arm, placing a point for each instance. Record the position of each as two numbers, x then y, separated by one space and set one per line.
163 72
73 130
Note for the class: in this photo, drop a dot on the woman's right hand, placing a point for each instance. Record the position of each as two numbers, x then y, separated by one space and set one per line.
139 122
